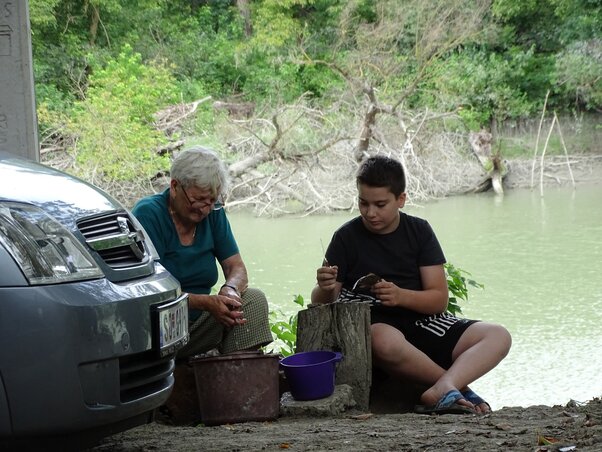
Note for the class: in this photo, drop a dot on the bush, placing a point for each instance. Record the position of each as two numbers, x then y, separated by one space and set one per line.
113 124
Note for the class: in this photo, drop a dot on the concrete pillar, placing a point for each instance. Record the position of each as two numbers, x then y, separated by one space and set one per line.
18 120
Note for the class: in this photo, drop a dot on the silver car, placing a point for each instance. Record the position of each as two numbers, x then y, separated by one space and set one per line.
89 319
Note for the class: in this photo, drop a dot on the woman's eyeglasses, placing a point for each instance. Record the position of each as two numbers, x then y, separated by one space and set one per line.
216 204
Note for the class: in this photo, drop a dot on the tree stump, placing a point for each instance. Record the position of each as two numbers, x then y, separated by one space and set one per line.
345 328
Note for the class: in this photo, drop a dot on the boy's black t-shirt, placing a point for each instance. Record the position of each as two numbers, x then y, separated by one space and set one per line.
395 257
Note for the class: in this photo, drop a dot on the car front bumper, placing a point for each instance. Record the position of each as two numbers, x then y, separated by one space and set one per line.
85 355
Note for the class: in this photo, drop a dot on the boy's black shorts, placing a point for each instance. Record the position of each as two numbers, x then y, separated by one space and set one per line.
435 335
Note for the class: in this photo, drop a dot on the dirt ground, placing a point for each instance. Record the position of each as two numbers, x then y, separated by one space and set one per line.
536 428
574 427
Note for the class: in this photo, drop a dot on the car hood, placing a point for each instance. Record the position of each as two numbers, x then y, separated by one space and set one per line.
65 197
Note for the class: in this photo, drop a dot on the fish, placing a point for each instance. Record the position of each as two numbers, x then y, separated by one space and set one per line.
366 282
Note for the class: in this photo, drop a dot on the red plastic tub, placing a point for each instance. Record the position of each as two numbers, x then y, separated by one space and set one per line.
311 375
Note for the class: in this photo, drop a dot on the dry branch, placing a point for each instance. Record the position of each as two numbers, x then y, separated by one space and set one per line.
543 154
170 119
566 152
536 150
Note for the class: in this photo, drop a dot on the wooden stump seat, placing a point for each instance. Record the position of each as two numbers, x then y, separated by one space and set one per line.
345 328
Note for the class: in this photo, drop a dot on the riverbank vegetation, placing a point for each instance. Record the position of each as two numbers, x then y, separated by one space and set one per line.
294 93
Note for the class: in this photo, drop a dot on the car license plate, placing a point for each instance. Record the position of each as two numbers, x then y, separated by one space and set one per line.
172 326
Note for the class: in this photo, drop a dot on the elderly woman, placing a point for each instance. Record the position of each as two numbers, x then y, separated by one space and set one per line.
190 230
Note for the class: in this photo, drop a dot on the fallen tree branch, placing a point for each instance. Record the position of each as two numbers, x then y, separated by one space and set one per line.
167 123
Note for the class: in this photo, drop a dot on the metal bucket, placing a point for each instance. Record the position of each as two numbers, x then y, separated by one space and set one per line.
238 387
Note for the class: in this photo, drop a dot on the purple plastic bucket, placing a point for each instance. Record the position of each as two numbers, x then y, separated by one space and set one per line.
310 375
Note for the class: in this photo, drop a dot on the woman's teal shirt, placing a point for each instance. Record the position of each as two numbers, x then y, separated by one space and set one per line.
194 265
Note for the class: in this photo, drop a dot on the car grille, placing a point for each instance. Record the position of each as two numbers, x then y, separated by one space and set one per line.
143 374
115 238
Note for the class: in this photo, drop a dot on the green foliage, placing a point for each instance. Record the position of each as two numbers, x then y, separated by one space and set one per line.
204 50
41 12
96 63
483 86
579 69
548 24
285 331
502 70
457 282
276 71
581 20
275 25
145 87
113 124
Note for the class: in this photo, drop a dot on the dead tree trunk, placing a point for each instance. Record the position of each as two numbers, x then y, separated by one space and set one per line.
245 13
480 144
361 151
94 21
345 328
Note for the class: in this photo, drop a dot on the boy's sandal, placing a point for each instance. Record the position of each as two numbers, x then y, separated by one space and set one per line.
475 399
446 405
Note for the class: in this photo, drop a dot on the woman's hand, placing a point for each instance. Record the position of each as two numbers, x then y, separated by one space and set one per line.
226 309
230 292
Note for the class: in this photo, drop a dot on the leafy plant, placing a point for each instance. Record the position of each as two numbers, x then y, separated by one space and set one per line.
457 283
285 331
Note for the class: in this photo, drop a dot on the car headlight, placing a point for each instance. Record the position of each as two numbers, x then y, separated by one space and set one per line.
44 249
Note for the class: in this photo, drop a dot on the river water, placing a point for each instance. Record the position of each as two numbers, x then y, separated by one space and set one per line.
540 259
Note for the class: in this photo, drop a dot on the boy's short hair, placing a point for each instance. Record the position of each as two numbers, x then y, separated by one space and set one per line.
381 171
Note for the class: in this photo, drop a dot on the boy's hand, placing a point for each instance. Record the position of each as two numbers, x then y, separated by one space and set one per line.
327 276
387 292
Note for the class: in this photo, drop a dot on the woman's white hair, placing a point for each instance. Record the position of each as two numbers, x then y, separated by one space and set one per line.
200 167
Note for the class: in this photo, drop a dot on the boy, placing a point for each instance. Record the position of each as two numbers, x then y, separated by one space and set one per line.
413 337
